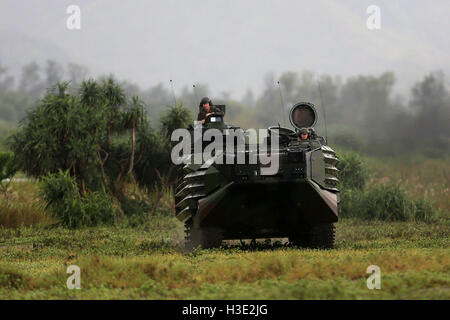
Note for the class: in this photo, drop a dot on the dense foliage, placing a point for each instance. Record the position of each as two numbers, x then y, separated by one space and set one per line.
64 200
352 172
363 112
81 133
8 168
101 141
102 138
386 202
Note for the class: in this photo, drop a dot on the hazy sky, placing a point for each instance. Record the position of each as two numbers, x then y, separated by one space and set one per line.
229 44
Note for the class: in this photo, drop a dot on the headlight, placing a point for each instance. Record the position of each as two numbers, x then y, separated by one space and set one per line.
303 115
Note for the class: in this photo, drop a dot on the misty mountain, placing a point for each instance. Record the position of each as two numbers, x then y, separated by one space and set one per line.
229 45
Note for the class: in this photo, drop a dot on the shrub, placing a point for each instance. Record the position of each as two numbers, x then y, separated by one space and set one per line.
76 132
349 203
96 208
154 150
8 169
424 210
352 172
134 207
61 195
387 203
175 118
56 188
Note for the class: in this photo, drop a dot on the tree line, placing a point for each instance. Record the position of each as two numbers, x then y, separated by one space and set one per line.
88 145
362 112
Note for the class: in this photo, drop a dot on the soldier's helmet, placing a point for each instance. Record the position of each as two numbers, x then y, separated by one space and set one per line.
205 100
304 130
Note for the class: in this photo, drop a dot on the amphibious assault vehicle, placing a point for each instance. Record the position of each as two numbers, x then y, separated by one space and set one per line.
220 201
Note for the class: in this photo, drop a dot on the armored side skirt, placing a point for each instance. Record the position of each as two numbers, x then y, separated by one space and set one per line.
265 208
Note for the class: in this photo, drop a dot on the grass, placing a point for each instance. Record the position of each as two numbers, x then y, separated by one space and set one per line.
136 260
149 263
423 178
21 206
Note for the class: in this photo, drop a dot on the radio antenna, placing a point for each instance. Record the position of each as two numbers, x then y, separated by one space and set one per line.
323 110
195 92
173 93
282 105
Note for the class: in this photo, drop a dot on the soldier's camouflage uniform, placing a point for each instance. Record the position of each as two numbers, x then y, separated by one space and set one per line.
202 113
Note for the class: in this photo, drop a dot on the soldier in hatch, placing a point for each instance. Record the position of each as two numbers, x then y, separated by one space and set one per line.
206 109
303 135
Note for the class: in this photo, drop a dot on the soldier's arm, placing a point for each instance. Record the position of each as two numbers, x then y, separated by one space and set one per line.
218 112
201 116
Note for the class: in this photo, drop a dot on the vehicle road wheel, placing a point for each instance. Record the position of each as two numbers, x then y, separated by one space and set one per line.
318 236
300 238
322 236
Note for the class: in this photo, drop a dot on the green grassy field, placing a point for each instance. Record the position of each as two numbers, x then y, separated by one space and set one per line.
149 263
423 178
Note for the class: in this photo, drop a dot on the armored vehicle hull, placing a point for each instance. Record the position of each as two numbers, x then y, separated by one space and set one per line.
236 201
